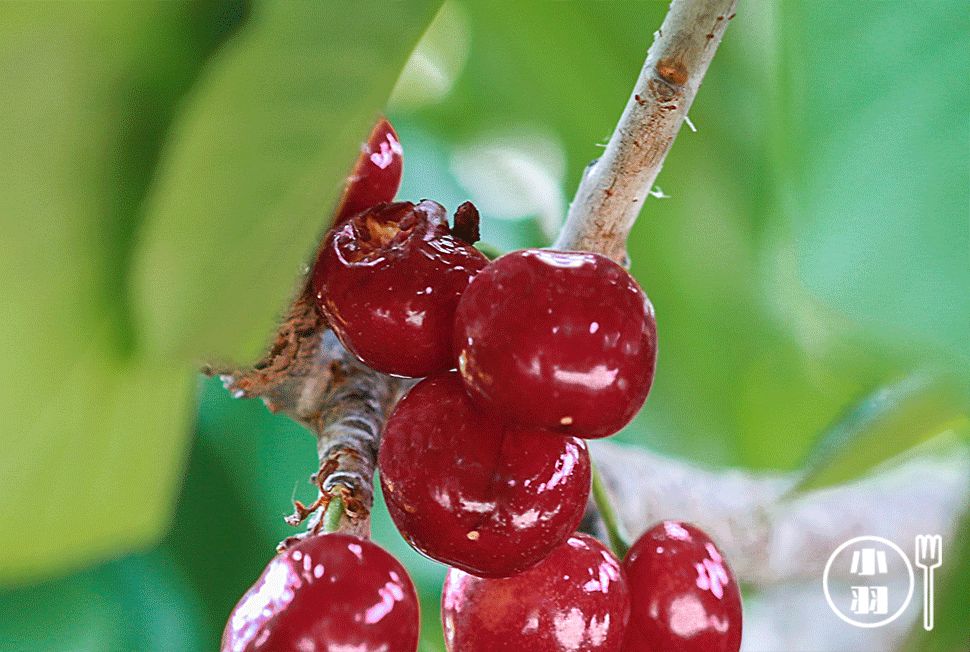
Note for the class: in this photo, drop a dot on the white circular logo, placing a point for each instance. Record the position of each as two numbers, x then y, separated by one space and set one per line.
867 600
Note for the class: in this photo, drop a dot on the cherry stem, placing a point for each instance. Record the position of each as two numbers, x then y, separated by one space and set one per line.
491 251
619 539
334 514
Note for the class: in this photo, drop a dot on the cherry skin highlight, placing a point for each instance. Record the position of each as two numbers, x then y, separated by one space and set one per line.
376 175
684 597
478 495
559 340
328 593
389 279
576 600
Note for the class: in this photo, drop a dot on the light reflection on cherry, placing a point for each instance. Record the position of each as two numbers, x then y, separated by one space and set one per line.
471 492
684 597
329 592
561 340
575 600
376 175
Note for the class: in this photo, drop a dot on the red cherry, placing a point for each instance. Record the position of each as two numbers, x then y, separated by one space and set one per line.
560 340
683 594
328 593
389 279
376 175
576 600
470 492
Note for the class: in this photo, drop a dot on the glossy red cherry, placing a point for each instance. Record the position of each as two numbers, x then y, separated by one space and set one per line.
470 492
376 175
576 600
389 279
684 597
329 593
560 340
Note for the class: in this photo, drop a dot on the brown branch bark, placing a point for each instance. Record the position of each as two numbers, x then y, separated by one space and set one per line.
309 376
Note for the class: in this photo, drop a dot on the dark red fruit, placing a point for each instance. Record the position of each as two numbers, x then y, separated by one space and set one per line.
684 597
389 280
560 340
576 600
470 492
328 593
377 173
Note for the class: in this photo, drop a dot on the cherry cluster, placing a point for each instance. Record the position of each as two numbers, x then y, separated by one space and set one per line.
484 464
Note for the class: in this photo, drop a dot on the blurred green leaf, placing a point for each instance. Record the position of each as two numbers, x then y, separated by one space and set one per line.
254 165
97 425
876 143
267 458
432 634
93 435
225 531
139 603
888 422
97 465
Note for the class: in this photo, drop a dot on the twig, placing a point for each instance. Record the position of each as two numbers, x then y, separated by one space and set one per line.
614 187
770 540
309 376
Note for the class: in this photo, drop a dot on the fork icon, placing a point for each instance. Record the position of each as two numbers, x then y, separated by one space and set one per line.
929 556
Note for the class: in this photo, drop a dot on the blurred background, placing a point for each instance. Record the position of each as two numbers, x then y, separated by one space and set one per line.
167 168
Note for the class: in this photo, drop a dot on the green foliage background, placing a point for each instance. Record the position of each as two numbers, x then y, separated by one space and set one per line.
167 168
